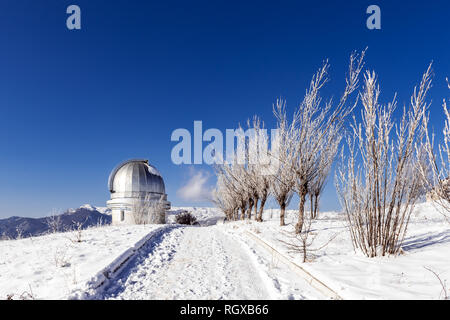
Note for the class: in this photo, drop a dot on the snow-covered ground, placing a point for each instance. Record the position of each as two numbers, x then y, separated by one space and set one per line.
205 263
52 266
354 276
219 260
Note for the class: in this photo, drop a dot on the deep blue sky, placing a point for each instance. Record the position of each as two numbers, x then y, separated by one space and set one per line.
75 103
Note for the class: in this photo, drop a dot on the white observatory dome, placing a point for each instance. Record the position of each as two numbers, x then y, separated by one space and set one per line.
135 184
135 178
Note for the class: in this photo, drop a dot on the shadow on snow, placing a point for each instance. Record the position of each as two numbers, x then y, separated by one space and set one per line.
118 284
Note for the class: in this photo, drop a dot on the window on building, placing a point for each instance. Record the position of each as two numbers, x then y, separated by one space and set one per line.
122 215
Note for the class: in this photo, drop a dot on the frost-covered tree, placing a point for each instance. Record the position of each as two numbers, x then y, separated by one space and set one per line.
317 125
378 189
301 154
317 184
283 153
436 172
244 182
231 193
264 183
224 196
259 168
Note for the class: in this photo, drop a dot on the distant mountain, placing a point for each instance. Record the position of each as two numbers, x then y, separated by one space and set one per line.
87 215
104 210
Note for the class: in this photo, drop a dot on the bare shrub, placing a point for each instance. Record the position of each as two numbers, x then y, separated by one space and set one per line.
149 211
19 232
26 295
100 223
78 227
53 222
186 217
379 195
77 231
60 258
303 242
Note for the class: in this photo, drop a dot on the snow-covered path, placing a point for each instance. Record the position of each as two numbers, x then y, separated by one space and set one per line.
191 263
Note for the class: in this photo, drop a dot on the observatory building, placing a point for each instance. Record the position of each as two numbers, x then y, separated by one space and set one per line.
136 186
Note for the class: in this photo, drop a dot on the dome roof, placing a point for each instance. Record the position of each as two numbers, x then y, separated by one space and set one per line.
135 178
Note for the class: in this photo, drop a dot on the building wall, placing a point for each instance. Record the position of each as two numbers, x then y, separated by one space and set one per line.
122 216
122 212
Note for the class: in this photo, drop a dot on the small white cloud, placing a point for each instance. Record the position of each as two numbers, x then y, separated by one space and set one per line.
195 189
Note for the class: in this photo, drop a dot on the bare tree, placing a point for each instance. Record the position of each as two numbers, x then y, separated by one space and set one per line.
283 153
302 153
259 168
316 186
224 197
316 127
237 187
265 181
436 172
379 196
234 175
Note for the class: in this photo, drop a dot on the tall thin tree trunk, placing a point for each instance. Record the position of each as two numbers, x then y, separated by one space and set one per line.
250 208
283 209
312 206
301 210
256 208
261 209
304 252
316 206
